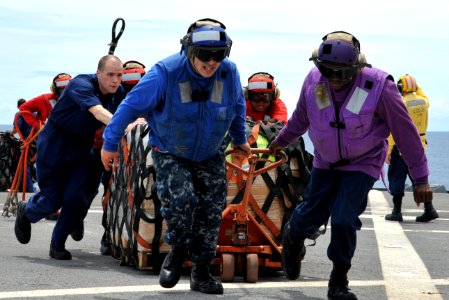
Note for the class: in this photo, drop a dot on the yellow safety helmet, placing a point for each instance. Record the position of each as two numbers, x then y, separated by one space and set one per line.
407 84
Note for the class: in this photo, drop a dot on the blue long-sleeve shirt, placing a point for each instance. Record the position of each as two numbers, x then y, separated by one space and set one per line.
188 115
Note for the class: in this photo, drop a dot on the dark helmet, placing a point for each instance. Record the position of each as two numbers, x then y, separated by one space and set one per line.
337 52
339 55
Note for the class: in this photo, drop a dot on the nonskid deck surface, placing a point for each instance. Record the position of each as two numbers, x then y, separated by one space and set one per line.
393 261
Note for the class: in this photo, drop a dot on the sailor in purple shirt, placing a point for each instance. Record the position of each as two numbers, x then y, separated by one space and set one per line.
348 109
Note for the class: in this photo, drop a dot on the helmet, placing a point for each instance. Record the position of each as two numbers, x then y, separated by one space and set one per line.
133 71
206 39
339 55
337 52
407 84
261 83
209 36
59 83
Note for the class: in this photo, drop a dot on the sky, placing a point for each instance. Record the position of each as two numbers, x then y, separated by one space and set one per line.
40 39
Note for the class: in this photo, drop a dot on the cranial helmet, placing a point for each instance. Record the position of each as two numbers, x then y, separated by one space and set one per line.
407 84
59 83
261 82
133 71
206 39
339 54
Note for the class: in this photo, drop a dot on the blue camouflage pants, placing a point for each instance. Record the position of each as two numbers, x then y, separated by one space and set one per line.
343 196
193 195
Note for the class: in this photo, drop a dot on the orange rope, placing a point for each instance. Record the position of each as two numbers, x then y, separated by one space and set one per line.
20 175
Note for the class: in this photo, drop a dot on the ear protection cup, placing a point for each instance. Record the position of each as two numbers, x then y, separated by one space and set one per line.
277 93
245 93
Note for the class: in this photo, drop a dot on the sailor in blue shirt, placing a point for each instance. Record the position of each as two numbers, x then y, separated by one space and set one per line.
191 100
64 156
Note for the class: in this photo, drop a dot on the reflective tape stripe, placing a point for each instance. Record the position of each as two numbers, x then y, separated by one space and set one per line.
258 85
62 83
186 92
131 76
357 100
209 35
416 102
410 83
217 92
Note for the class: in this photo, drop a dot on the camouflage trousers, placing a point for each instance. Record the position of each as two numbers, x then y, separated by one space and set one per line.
193 195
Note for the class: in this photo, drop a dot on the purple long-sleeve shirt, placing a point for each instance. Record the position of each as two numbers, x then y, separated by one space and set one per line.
390 110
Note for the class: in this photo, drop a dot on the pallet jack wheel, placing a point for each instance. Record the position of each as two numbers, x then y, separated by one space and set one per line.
227 267
252 267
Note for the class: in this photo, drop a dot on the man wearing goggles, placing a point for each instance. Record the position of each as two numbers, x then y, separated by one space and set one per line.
262 100
349 111
191 100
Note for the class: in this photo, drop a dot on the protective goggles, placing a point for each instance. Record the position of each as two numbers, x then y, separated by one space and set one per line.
343 73
206 54
261 97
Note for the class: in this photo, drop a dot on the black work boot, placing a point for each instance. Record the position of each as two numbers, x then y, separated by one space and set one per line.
338 286
202 281
429 214
22 226
396 214
78 233
292 254
172 266
62 254
105 245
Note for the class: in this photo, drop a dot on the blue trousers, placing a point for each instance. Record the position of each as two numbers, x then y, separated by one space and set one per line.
61 187
397 174
340 195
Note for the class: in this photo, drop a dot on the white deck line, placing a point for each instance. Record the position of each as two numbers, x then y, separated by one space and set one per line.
405 275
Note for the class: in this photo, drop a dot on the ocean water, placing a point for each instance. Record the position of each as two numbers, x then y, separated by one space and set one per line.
437 155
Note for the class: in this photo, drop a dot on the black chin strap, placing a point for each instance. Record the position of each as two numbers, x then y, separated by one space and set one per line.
114 40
